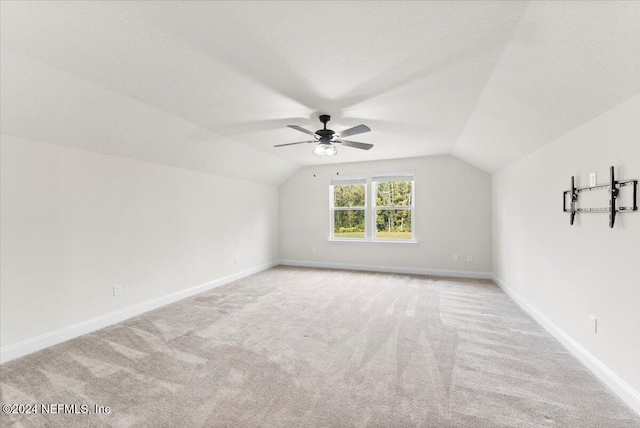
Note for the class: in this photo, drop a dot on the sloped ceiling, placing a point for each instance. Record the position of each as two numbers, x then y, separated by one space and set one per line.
210 86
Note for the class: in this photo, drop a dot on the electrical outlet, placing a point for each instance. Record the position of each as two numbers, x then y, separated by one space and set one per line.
237 259
469 259
455 257
594 324
117 290
313 251
593 181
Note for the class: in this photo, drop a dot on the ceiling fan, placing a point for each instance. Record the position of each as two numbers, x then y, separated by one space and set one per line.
326 138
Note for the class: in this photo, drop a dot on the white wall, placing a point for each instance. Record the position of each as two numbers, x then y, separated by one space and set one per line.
565 272
75 223
453 216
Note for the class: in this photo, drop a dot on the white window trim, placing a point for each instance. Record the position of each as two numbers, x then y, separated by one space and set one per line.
333 208
370 209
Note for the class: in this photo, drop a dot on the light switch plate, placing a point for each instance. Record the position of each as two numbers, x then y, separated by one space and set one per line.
593 181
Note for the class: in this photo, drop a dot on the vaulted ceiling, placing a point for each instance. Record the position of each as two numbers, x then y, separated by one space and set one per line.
211 86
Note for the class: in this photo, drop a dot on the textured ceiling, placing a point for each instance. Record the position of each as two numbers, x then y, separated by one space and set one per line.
210 86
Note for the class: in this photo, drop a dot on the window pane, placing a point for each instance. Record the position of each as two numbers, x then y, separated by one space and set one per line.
348 196
348 224
394 194
393 224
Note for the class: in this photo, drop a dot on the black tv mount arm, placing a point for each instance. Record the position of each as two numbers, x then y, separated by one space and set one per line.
614 190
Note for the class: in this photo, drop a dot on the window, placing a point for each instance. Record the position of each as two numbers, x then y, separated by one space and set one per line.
348 208
393 207
389 217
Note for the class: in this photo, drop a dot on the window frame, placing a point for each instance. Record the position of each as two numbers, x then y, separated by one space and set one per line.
370 208
333 208
374 207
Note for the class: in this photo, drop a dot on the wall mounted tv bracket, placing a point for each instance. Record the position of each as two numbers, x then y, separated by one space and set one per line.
614 189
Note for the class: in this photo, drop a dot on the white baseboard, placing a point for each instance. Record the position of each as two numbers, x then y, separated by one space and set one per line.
604 373
29 346
389 269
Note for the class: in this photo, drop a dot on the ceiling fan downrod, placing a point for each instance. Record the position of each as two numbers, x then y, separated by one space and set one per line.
324 118
325 134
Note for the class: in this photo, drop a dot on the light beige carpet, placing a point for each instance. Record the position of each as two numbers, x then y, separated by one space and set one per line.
306 347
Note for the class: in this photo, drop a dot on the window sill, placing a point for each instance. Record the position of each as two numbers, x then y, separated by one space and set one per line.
375 241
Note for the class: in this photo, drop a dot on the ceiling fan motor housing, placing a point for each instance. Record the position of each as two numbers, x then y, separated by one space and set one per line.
325 135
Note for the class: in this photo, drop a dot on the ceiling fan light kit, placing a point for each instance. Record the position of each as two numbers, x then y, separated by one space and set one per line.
325 150
327 138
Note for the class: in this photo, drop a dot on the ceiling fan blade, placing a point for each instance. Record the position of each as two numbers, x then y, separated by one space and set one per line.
301 129
353 131
291 144
363 146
